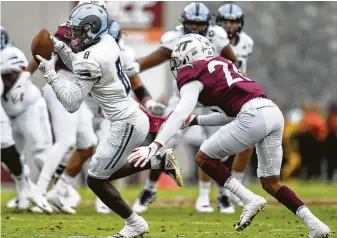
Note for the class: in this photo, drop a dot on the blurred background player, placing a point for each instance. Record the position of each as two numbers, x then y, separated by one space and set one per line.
26 108
10 158
196 18
231 18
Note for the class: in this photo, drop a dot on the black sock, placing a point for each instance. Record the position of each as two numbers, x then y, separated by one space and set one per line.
11 158
109 196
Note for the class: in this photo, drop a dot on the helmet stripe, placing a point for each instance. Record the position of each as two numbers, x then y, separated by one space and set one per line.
197 9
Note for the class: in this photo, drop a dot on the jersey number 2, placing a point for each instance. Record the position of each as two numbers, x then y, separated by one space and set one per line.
228 73
122 76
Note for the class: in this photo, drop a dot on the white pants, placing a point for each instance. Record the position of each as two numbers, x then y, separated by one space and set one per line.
259 122
32 129
112 151
70 129
6 131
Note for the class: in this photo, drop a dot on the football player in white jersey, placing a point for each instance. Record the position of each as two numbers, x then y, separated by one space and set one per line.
101 125
24 105
26 108
94 58
231 18
10 158
196 19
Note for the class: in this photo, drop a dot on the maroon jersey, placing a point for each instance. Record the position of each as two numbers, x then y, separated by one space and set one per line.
224 86
60 34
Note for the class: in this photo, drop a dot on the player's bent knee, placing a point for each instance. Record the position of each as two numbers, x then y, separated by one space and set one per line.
200 158
86 153
94 183
268 183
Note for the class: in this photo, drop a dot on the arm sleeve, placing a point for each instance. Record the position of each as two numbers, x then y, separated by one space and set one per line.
71 95
214 119
66 55
189 97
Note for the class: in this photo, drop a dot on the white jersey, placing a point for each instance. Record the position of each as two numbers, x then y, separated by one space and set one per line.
127 56
242 50
14 59
98 70
215 34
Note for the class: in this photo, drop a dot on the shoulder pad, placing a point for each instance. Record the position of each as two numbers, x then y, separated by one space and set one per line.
170 38
248 42
218 31
128 56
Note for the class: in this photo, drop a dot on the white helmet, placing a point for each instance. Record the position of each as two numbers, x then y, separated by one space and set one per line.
190 48
12 59
99 3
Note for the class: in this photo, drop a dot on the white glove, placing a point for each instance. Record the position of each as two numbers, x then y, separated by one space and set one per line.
47 67
58 45
16 93
156 108
142 155
188 122
132 70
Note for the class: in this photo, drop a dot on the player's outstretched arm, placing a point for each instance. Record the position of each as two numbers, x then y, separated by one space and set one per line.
213 119
155 58
144 96
189 98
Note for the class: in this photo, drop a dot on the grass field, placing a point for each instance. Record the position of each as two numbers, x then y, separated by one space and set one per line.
173 215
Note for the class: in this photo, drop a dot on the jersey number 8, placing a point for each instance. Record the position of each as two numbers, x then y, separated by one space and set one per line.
122 76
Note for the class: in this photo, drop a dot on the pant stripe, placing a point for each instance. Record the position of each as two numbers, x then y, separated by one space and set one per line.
124 142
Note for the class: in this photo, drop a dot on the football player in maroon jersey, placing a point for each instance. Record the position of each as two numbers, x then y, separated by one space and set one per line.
247 118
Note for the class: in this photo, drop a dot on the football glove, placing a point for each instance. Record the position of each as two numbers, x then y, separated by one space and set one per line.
141 156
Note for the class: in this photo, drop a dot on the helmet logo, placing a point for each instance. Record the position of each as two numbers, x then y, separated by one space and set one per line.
182 46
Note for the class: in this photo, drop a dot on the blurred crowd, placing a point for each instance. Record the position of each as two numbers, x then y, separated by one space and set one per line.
310 137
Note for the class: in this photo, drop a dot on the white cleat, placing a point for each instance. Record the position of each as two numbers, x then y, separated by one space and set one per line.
40 200
23 201
133 230
36 209
101 208
13 203
202 204
320 230
225 205
73 197
60 202
250 210
171 166
142 203
236 200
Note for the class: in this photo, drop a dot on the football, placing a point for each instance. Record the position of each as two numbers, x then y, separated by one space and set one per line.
42 44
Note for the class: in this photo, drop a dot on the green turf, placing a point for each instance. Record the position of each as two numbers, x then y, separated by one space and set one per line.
177 220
